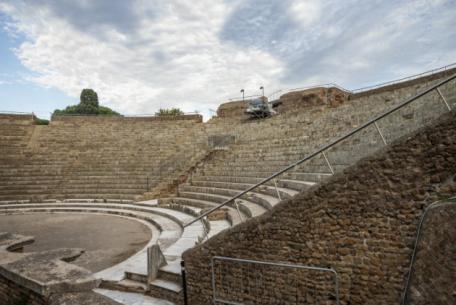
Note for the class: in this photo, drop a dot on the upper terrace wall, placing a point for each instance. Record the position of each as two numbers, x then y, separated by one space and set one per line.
361 222
321 117
292 101
302 100
197 118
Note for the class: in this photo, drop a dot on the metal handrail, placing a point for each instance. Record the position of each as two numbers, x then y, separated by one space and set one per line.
157 115
435 204
265 263
272 95
247 97
366 88
327 146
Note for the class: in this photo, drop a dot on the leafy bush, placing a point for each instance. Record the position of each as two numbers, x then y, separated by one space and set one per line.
88 106
102 110
39 121
169 112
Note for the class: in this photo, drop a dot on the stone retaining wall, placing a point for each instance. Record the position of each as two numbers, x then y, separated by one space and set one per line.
235 109
296 100
361 222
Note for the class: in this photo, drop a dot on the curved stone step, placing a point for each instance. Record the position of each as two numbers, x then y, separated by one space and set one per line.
233 216
247 207
264 189
220 195
177 217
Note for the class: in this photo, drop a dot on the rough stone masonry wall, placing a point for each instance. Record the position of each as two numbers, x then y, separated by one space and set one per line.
14 294
361 222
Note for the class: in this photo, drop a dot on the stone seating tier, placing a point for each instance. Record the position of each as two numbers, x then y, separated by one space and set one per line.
169 235
88 160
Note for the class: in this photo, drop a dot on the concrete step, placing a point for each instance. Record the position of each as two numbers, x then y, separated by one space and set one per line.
167 290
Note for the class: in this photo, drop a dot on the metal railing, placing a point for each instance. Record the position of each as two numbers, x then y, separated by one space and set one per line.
247 97
275 94
404 79
436 204
260 289
121 115
322 150
16 112
158 115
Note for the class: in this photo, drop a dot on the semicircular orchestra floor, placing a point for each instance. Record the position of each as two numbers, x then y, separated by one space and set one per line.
107 239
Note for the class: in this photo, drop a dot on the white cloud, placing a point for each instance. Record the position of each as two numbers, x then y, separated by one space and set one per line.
174 59
306 12
142 56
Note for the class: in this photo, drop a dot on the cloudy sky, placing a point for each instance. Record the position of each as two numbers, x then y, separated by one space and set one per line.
148 54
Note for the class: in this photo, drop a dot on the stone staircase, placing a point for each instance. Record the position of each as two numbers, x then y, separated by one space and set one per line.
265 147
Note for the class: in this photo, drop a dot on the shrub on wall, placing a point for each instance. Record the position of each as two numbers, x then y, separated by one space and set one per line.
169 112
39 121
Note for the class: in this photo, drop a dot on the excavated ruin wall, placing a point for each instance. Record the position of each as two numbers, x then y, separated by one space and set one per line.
12 293
361 222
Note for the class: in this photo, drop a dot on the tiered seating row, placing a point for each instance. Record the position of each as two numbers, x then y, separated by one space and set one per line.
113 160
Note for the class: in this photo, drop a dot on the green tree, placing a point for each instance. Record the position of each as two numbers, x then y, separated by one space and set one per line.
89 98
88 106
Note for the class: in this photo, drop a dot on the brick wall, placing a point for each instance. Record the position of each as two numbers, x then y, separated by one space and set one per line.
361 222
13 294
